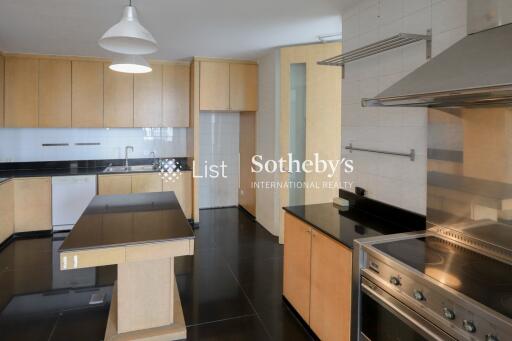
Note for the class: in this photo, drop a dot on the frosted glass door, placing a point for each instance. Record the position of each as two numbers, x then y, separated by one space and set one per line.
297 131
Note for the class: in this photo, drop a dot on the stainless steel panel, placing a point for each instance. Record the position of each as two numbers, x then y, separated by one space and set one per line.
472 195
486 14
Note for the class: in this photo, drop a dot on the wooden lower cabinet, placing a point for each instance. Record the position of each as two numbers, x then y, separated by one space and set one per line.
331 279
146 183
183 190
114 184
6 210
318 279
149 182
297 265
32 204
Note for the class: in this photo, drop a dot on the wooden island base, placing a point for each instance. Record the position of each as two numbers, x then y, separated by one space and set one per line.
175 331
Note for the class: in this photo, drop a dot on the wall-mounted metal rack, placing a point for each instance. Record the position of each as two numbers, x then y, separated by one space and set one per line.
399 40
411 155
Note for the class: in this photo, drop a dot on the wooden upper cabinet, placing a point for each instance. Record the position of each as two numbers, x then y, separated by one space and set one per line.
214 86
2 79
176 96
21 92
331 273
148 98
118 98
297 264
243 87
87 94
54 93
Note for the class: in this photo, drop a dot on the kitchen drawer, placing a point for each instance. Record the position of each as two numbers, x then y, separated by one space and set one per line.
163 250
92 258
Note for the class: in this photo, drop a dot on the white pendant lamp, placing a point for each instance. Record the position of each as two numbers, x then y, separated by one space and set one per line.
128 36
130 64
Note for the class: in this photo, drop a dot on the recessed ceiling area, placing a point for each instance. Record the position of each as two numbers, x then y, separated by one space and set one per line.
182 28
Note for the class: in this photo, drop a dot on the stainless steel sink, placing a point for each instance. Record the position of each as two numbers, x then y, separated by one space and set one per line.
124 169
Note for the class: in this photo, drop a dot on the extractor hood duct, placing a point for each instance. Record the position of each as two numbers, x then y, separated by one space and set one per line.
476 71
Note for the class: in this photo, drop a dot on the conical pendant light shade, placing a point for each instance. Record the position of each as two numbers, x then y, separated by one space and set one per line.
130 64
128 36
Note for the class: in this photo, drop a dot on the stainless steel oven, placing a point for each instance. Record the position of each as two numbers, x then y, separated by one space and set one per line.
384 318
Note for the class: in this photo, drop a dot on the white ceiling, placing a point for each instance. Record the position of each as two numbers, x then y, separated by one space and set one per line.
183 28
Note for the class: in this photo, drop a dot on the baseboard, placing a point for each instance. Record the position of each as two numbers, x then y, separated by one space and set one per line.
241 208
300 319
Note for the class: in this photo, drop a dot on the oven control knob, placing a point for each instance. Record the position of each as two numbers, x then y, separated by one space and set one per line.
394 280
449 314
469 326
490 337
418 295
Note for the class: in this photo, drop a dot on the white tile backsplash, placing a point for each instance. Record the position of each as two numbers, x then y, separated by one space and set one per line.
21 145
392 179
219 141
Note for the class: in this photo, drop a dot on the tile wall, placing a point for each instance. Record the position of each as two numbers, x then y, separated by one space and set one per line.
395 180
21 145
219 141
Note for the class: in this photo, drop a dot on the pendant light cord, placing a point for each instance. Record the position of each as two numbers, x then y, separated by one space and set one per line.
130 3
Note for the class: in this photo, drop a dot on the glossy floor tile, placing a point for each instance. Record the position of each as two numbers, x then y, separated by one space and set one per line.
231 289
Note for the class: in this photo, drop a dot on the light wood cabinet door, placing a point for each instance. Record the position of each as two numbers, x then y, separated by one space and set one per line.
114 184
148 98
214 86
54 93
2 80
87 94
331 283
32 204
243 87
297 264
182 188
21 92
176 96
118 99
146 183
6 210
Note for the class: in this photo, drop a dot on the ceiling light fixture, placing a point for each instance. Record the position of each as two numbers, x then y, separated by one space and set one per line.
128 36
130 64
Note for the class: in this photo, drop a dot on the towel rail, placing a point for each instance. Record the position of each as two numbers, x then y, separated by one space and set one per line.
411 154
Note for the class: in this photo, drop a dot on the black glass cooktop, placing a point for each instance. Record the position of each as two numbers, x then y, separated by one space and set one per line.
484 279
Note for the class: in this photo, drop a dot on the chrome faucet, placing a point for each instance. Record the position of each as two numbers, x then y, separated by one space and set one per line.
155 162
126 155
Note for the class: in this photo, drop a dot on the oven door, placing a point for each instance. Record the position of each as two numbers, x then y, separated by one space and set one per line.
384 318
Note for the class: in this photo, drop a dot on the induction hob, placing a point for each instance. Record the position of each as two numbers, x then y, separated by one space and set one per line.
484 279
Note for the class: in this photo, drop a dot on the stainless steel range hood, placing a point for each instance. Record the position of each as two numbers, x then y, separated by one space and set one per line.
476 71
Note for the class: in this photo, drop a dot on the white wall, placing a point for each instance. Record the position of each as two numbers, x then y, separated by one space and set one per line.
267 142
19 145
219 141
395 180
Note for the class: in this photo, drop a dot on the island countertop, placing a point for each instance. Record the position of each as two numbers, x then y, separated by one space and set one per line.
117 220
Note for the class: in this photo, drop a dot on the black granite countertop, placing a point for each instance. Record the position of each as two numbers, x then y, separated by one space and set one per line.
115 220
347 225
69 168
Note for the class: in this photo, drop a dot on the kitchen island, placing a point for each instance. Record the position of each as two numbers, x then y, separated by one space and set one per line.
141 234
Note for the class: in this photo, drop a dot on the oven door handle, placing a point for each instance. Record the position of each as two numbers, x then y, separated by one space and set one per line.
405 314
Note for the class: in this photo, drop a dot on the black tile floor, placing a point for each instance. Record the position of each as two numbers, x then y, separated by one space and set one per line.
230 289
